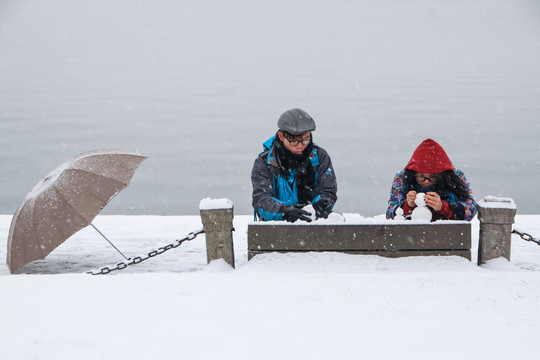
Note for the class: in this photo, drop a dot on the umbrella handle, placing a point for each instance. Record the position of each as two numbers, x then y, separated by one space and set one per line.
100 233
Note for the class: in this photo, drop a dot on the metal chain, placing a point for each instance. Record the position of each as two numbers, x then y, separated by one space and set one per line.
526 237
139 259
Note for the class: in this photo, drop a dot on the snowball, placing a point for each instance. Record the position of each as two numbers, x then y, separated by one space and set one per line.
421 213
309 208
420 201
336 217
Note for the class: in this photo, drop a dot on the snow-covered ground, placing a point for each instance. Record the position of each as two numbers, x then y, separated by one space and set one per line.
286 306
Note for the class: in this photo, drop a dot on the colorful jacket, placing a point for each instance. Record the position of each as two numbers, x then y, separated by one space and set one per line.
272 192
462 210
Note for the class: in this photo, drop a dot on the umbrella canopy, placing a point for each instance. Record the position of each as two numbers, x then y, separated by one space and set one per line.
66 201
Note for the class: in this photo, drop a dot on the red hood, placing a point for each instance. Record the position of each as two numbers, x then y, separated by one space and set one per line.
429 158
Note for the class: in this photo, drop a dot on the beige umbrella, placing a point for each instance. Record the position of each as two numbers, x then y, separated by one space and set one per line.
66 201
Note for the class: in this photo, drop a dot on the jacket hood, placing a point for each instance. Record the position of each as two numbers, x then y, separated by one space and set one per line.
429 158
267 145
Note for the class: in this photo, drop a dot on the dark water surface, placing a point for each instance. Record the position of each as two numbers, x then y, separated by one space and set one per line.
197 86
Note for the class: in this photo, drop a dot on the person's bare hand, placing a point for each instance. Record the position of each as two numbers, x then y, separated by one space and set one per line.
411 196
433 200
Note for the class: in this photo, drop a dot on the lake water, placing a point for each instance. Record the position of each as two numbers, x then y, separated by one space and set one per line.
197 86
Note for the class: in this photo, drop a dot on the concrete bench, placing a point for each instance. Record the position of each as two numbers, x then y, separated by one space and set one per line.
389 239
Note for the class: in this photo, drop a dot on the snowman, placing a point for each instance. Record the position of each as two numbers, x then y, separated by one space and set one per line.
399 214
421 211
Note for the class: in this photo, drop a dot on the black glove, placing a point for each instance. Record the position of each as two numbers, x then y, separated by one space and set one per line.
322 209
293 213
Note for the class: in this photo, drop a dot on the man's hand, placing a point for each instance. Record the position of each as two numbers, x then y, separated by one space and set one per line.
322 209
293 213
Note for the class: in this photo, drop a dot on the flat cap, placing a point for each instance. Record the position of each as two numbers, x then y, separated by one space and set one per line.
296 122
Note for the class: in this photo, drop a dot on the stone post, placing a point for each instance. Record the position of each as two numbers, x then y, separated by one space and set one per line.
217 218
496 217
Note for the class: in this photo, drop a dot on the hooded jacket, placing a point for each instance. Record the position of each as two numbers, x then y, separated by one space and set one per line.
273 189
430 158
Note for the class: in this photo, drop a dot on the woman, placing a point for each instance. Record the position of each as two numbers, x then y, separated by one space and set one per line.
430 171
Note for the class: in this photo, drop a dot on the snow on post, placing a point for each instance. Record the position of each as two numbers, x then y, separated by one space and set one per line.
496 217
217 218
213 204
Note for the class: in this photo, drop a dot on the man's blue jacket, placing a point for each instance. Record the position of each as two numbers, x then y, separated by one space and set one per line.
272 192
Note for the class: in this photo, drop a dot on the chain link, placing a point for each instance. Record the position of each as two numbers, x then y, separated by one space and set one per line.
526 237
139 259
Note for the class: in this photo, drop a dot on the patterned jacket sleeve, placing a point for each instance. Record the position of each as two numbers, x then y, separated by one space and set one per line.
464 210
397 195
263 198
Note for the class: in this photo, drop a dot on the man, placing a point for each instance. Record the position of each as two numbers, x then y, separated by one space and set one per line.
293 172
